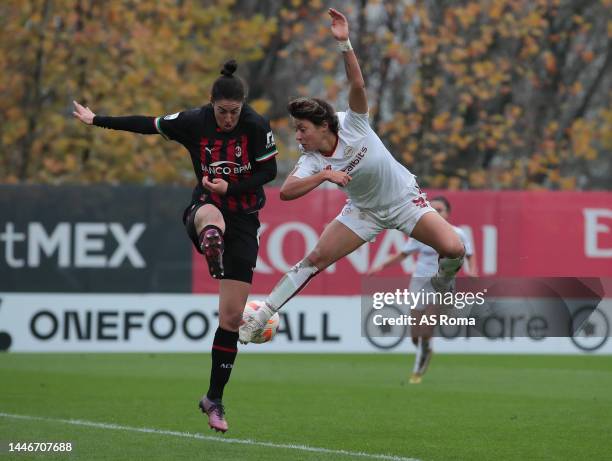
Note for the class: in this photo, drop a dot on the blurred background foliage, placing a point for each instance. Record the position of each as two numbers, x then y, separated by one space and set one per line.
488 94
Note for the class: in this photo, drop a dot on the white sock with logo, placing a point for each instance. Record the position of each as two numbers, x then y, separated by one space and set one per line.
288 286
291 283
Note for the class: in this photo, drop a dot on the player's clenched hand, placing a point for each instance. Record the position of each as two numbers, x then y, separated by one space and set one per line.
84 114
338 177
217 185
339 26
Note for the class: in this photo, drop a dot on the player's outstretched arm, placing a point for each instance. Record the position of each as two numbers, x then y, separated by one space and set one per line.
389 262
83 113
134 123
295 187
358 100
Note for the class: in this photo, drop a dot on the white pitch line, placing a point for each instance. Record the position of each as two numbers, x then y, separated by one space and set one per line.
146 430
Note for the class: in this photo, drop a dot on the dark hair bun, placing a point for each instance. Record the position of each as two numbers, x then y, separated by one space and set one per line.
229 68
228 85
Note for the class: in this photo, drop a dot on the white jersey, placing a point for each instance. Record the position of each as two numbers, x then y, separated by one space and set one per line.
378 180
427 261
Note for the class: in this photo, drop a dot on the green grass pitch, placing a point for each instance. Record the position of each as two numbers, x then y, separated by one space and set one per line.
469 407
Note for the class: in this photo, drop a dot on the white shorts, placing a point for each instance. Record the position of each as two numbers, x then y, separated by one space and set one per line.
367 224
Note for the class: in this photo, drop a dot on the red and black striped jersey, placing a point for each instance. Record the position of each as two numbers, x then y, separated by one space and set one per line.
233 156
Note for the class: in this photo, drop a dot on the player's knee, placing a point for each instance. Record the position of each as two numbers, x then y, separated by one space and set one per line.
230 321
453 248
209 215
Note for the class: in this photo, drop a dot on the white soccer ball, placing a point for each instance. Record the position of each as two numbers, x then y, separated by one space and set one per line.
268 332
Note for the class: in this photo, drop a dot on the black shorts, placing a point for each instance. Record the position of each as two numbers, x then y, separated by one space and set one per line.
240 237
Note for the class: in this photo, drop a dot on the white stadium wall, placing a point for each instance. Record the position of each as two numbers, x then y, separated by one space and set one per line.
186 323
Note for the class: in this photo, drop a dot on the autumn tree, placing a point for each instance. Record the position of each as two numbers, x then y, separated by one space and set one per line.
507 94
120 57
467 93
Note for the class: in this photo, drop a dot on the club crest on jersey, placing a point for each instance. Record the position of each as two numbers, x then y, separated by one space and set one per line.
238 151
269 140
348 151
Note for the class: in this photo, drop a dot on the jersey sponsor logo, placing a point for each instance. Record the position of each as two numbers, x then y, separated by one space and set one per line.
221 162
269 140
351 166
171 116
225 167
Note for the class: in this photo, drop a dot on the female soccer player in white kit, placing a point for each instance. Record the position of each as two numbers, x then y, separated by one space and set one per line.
427 267
343 149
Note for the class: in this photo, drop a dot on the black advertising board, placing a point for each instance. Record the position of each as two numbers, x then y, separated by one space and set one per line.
113 239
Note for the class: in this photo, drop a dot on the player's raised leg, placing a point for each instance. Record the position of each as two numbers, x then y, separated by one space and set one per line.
433 230
233 295
336 242
211 227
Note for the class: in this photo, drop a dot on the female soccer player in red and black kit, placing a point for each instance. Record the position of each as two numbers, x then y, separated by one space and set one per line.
233 154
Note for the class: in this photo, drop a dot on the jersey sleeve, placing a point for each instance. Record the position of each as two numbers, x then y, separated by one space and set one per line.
264 144
179 127
411 246
354 126
469 250
306 166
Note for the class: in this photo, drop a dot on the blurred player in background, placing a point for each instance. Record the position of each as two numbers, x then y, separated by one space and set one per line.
343 149
426 268
233 154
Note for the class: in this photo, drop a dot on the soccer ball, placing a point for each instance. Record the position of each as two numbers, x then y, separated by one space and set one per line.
269 330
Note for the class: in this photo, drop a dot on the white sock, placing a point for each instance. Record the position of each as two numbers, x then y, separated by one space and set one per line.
417 355
291 283
448 268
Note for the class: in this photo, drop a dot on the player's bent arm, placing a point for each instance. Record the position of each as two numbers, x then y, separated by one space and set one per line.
264 172
295 187
390 261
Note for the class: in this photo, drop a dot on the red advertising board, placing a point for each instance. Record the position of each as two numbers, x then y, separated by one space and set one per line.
515 234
